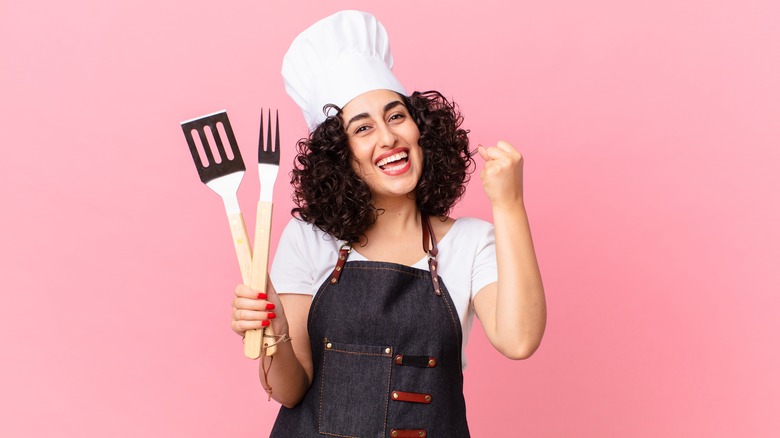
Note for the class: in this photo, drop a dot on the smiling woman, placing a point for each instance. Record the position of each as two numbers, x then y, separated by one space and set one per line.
383 139
335 199
377 285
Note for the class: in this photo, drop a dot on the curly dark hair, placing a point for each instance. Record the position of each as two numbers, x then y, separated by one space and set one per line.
329 194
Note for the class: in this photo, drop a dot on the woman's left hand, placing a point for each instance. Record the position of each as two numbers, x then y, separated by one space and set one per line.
502 176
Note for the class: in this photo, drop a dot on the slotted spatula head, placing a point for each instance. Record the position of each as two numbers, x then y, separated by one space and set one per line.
213 169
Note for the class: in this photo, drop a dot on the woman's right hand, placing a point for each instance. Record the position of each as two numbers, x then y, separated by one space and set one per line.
253 310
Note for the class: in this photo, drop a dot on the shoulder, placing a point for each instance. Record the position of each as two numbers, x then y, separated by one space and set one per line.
300 230
307 243
472 223
467 237
443 226
471 229
304 256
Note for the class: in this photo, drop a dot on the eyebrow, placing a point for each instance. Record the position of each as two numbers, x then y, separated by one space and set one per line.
362 116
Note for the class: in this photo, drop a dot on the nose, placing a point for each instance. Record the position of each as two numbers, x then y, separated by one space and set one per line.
387 136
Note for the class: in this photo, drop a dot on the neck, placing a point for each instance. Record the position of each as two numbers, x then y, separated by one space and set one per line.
397 219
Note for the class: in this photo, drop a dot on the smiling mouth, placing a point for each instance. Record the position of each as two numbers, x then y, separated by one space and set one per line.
393 162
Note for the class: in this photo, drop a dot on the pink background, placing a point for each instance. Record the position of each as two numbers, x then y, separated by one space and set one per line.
650 131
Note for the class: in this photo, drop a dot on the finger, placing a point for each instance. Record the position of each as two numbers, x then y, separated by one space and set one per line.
497 154
242 326
489 171
483 153
509 150
252 304
243 291
252 315
505 146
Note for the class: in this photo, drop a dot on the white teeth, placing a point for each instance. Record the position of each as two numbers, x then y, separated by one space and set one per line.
392 158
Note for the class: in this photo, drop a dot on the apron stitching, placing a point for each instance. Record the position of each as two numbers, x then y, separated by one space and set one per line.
343 436
387 398
322 389
456 325
366 268
360 354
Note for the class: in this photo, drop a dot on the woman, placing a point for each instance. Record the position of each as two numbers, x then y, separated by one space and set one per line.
377 285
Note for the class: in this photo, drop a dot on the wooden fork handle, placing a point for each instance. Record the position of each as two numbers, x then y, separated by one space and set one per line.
254 340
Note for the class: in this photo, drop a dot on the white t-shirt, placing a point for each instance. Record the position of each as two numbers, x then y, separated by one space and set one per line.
307 255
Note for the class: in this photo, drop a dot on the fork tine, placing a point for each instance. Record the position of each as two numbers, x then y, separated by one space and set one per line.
260 148
268 143
276 145
268 147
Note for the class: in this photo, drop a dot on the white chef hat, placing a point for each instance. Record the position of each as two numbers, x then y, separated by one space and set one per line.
335 60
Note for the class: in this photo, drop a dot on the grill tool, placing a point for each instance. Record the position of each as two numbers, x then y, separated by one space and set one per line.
223 176
267 169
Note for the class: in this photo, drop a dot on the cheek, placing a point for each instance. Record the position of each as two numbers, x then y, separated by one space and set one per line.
419 152
359 157
361 166
356 167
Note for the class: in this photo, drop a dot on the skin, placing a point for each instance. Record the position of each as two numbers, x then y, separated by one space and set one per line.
512 310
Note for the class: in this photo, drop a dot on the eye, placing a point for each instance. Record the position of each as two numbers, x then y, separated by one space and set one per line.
361 128
396 116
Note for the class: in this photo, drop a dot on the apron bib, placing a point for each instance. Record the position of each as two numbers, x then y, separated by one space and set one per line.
386 345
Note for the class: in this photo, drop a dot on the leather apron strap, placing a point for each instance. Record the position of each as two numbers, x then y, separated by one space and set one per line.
430 248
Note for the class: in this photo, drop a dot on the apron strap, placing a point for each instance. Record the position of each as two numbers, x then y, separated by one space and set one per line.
344 251
429 246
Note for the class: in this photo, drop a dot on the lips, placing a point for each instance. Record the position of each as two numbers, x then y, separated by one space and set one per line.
394 162
392 159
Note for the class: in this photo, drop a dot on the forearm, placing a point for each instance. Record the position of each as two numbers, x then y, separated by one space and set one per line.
283 373
287 374
520 308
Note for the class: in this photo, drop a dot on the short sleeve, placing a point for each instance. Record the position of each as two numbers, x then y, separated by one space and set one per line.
485 269
291 270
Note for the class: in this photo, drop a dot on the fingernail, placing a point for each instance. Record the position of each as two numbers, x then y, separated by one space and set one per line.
266 323
270 306
271 315
261 296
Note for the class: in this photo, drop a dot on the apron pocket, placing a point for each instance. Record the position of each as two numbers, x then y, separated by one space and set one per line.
355 389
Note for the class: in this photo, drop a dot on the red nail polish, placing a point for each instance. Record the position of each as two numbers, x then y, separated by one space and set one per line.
261 296
270 306
271 315
266 323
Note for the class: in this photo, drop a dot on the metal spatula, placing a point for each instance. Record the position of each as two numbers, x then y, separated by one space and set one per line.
222 174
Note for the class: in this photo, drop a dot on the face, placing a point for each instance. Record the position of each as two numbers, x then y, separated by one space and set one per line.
384 139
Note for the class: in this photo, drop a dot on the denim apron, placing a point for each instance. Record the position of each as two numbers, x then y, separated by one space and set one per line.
386 345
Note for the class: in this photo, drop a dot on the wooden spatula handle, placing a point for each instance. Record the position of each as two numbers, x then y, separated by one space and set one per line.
253 339
253 342
241 243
